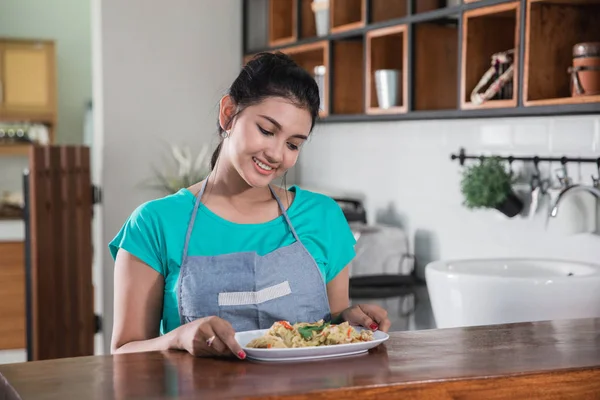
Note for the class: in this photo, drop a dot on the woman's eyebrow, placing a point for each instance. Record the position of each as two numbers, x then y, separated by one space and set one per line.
278 125
271 120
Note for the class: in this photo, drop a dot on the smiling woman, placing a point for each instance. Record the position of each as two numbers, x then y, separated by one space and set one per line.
234 253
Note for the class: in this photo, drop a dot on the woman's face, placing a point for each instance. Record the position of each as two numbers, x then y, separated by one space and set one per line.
265 139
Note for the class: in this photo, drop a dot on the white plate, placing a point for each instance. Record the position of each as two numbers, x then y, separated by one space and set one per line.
306 353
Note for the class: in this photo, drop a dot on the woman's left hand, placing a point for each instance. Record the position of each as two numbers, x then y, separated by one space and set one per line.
369 316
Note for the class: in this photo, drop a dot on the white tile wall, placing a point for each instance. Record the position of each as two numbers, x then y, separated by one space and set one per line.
13 356
405 167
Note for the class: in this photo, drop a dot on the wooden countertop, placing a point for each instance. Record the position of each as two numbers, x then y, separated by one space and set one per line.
559 359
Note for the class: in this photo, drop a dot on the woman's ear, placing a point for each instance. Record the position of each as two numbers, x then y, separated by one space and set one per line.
227 109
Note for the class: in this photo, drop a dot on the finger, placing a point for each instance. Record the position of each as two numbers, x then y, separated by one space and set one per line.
204 341
385 325
226 334
364 319
377 314
217 345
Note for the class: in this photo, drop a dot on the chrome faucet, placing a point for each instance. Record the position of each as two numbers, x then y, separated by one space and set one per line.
574 189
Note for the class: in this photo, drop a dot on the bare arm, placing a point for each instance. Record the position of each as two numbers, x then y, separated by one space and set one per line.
338 293
368 315
137 312
138 303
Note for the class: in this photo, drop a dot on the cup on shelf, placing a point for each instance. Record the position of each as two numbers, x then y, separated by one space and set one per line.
319 75
321 10
387 85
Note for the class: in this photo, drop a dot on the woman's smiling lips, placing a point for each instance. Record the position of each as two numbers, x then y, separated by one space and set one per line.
262 167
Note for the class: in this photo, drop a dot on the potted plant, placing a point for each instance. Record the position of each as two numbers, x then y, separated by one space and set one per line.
182 169
489 185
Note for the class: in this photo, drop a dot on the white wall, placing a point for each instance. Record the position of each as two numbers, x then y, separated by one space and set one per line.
405 172
161 70
68 23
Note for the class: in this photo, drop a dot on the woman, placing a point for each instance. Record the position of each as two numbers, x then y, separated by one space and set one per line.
233 253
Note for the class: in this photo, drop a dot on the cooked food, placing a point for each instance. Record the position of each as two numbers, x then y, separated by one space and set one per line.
284 335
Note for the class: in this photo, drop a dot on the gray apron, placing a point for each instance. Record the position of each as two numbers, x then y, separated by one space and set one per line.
252 291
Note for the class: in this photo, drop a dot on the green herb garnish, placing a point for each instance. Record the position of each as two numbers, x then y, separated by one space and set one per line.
306 331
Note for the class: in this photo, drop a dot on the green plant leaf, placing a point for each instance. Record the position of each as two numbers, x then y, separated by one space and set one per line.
486 185
306 331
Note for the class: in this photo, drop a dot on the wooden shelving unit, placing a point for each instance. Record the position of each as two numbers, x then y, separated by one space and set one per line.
14 149
435 73
283 22
387 48
312 55
347 15
442 51
384 10
549 48
347 99
487 31
28 88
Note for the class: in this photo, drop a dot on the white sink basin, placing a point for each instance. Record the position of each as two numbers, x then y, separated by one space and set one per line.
496 291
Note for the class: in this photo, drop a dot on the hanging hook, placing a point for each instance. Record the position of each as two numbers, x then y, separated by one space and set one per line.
536 165
510 167
596 179
563 175
536 178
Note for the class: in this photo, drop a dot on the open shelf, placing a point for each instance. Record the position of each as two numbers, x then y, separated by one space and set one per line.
443 48
14 150
487 31
348 66
422 6
310 56
308 27
347 15
282 21
385 10
435 74
553 28
387 48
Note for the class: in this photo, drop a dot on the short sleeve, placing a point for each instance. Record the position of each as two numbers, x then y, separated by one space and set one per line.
341 242
141 236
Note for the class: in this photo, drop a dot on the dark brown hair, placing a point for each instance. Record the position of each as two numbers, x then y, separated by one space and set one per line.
271 75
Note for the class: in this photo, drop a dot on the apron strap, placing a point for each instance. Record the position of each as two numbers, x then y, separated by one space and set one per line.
190 227
285 215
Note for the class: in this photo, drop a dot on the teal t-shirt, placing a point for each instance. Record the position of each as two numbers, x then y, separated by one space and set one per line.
155 233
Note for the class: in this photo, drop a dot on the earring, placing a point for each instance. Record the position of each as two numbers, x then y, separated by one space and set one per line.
225 134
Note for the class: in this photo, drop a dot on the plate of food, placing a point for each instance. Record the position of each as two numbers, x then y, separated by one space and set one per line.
308 341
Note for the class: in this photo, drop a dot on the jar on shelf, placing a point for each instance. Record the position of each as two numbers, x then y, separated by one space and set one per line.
585 72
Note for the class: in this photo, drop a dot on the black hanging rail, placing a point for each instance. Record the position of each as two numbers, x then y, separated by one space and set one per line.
462 156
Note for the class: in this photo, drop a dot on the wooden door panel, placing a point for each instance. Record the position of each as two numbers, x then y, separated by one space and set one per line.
59 214
12 295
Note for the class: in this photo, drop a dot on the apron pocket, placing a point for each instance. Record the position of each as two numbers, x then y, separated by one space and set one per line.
261 296
257 310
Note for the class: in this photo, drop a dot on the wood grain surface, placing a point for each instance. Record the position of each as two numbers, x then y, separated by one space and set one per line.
549 360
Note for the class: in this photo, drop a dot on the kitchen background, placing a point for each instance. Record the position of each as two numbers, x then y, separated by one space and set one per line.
155 71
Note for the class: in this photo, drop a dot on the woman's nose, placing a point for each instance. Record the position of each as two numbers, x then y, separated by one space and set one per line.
274 154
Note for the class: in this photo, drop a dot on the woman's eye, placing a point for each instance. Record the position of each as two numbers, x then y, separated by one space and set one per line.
292 146
265 132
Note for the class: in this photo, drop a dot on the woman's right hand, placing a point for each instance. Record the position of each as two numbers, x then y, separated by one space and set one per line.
210 336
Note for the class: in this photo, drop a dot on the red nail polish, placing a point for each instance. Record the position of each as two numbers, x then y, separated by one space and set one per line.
242 355
373 326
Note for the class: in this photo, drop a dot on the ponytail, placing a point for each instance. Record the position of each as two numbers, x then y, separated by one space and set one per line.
215 156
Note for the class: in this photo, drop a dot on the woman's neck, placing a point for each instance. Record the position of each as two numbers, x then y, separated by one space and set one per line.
225 181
